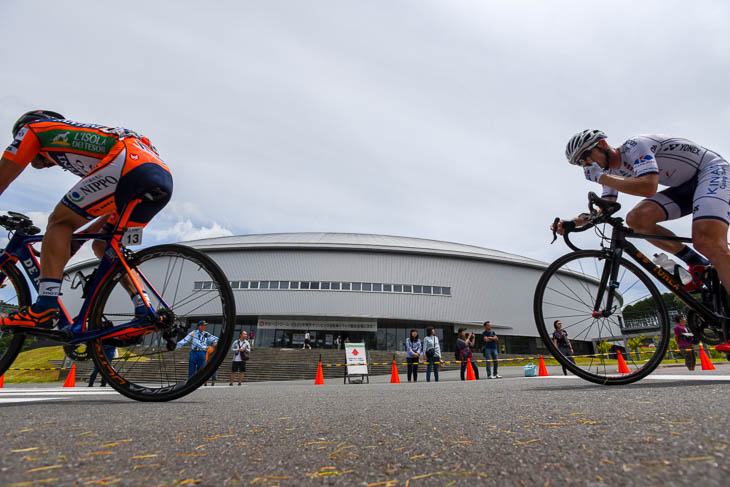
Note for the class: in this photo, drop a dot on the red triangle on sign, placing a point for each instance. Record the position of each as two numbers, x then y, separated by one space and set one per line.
354 352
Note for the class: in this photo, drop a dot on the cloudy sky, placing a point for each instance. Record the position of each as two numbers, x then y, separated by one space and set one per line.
434 119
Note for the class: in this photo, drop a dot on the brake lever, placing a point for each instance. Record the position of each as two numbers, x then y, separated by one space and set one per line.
555 229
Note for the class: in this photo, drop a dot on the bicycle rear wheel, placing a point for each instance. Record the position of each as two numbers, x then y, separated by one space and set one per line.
184 286
636 332
14 294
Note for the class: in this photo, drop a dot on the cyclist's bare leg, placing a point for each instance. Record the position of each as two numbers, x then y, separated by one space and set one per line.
644 218
709 237
56 246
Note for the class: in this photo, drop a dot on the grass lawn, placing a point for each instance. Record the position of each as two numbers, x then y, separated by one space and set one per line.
35 359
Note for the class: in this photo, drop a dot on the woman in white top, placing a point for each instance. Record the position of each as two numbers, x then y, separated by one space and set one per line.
432 349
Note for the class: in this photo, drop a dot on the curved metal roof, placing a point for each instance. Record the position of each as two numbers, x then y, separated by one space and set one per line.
358 242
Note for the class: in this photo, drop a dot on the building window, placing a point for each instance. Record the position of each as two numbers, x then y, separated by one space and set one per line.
197 285
376 287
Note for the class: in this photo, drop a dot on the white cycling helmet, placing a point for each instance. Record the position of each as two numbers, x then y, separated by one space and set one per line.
581 142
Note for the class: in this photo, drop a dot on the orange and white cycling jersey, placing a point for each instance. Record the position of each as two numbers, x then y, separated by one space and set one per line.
76 147
115 164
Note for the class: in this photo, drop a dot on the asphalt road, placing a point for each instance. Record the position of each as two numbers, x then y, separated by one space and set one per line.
671 429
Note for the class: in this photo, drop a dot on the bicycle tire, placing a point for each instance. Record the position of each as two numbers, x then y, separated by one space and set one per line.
545 334
143 392
22 293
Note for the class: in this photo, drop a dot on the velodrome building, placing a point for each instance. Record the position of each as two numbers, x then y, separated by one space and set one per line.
373 288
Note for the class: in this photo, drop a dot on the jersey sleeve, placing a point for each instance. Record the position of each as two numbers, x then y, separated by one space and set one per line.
640 156
609 193
24 148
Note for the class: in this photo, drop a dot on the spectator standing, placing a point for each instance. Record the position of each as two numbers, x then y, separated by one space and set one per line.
560 339
463 347
241 348
208 353
432 349
199 341
338 342
109 351
413 355
251 338
683 337
307 341
490 339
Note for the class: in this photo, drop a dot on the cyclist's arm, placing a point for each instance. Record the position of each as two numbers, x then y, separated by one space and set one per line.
645 186
9 170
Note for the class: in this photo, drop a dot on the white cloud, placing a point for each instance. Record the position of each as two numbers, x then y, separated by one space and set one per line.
185 230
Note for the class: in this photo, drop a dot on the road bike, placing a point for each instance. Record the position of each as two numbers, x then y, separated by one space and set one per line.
611 307
179 284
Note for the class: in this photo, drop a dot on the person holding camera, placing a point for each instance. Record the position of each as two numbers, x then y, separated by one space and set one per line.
432 349
684 341
241 348
463 347
413 355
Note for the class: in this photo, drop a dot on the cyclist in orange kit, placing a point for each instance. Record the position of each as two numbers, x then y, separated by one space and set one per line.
116 166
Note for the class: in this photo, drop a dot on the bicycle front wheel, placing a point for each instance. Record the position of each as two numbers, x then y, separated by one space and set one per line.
620 346
184 286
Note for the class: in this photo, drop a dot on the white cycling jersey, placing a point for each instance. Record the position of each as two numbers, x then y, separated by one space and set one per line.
697 177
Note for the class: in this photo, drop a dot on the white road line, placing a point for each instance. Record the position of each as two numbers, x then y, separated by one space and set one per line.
57 390
688 377
11 400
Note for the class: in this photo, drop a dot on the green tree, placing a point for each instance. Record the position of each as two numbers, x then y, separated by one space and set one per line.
636 343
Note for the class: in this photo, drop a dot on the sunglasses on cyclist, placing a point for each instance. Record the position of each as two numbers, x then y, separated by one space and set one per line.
585 155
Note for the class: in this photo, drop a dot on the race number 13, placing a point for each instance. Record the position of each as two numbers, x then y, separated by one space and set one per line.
132 236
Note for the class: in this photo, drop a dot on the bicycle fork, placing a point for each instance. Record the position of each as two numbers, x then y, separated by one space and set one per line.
609 284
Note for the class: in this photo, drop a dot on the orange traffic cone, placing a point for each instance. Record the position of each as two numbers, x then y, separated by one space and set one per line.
71 379
705 360
2 380
319 380
542 371
469 370
622 368
394 379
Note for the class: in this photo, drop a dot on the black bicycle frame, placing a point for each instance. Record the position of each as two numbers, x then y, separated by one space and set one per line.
609 284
